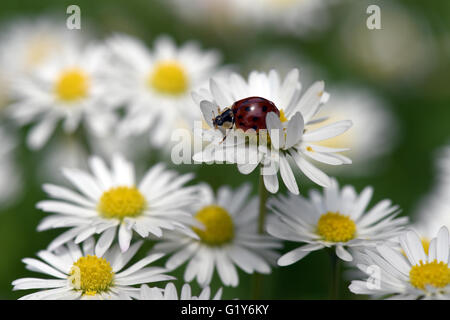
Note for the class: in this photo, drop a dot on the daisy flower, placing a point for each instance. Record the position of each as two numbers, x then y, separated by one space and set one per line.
170 293
34 42
72 87
337 218
290 137
409 52
410 273
94 271
110 200
156 84
228 238
284 59
373 133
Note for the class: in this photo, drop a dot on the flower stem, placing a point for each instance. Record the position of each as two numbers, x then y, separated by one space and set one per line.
335 275
263 195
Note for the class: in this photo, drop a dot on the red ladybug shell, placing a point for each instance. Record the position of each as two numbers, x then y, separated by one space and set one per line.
250 113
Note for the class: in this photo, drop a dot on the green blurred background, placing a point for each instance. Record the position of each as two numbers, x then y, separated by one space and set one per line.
420 103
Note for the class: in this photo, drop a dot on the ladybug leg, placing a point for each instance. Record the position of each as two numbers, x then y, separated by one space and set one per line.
226 133
224 137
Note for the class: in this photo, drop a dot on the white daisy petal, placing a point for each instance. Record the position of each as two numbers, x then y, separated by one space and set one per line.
105 241
292 257
275 130
442 245
294 130
415 246
328 131
310 101
343 254
33 283
41 133
287 175
125 235
209 111
220 96
271 183
43 267
311 171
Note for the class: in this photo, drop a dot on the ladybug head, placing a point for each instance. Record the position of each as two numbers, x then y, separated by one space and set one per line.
224 120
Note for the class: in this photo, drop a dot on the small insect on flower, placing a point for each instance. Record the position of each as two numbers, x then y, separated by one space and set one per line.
245 114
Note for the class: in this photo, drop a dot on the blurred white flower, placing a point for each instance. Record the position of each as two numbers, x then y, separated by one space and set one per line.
300 17
290 133
170 293
26 44
402 51
135 147
156 84
284 59
374 132
433 210
339 218
228 237
110 200
94 271
65 151
73 87
408 274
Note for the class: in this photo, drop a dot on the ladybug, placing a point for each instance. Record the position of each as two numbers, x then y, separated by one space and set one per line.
245 114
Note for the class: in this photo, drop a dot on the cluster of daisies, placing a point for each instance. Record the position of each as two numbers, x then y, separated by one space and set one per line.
120 88
70 82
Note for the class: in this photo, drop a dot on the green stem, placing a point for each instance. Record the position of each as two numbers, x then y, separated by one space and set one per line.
263 195
335 274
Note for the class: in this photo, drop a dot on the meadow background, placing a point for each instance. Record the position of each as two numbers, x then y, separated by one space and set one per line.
420 102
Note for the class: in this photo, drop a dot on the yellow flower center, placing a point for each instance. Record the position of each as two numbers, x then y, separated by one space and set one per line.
336 227
72 85
169 78
436 274
91 274
219 228
283 116
121 202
